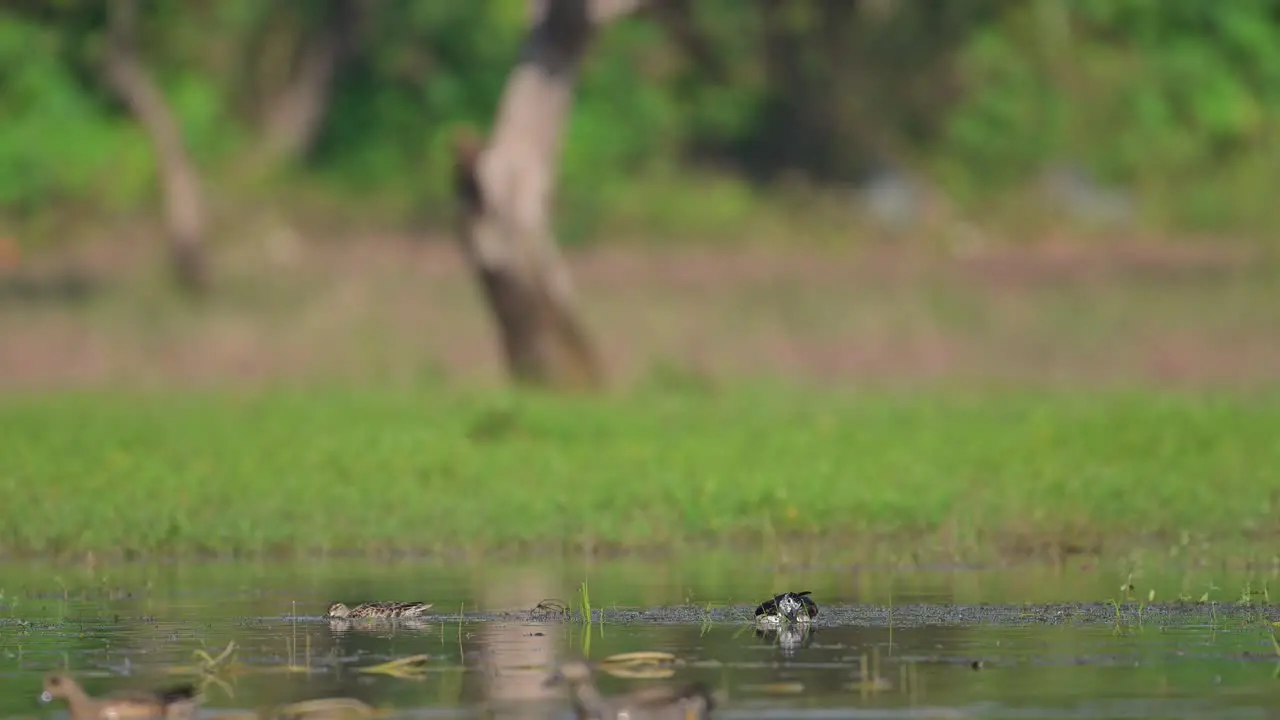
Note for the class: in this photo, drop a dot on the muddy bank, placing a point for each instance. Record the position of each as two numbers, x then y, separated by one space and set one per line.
917 615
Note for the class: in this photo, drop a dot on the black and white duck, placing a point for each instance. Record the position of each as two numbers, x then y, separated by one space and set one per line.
788 608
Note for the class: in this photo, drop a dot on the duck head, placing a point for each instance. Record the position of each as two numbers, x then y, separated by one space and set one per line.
56 685
790 607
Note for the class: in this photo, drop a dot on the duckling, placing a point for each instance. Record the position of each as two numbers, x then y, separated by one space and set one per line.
176 703
378 610
689 702
788 607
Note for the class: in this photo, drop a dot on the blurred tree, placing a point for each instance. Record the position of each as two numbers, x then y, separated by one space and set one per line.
853 85
293 52
505 189
982 95
185 214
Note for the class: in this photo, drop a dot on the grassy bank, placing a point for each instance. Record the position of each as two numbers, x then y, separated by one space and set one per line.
369 471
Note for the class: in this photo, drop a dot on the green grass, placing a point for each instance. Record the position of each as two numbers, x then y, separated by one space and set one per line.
430 469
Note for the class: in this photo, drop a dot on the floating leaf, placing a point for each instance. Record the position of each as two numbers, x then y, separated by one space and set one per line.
413 666
641 664
641 656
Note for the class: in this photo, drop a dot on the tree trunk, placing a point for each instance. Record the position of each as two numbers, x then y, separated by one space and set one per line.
179 179
294 116
506 187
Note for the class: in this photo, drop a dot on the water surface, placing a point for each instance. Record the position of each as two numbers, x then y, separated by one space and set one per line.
1030 643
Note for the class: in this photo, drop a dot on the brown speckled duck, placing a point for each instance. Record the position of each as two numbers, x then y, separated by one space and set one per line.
665 702
177 703
378 610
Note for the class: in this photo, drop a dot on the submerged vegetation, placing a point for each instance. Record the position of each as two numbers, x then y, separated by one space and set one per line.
341 471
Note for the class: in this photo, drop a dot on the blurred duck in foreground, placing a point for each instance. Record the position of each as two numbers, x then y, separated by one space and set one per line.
688 702
378 610
177 703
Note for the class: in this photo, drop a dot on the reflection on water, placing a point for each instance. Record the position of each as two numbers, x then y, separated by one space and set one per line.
516 655
126 628
789 638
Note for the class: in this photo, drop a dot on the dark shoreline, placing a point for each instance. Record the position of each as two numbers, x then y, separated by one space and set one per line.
1158 614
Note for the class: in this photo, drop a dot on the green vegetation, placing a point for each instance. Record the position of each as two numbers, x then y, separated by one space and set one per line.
340 471
1177 99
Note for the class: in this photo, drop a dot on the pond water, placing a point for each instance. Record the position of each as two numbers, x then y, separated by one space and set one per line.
1027 643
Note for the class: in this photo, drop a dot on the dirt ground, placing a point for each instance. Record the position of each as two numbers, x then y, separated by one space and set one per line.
286 309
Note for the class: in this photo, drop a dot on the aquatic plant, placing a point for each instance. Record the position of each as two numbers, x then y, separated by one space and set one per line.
584 601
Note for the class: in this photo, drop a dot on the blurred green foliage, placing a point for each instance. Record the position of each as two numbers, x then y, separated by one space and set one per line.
1179 98
685 112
